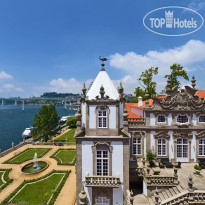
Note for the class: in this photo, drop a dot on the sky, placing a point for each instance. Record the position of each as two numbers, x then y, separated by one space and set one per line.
54 45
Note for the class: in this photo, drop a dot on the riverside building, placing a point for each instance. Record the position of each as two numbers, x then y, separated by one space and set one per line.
112 139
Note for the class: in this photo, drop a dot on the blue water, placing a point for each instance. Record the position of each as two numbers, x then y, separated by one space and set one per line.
13 122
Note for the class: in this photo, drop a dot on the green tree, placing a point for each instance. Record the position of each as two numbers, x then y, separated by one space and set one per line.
176 72
46 122
147 83
71 121
139 92
151 156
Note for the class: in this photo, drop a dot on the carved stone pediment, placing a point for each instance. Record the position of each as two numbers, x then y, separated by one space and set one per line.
200 134
161 134
182 134
102 145
183 100
137 134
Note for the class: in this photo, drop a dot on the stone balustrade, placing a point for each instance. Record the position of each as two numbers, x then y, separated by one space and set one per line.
186 197
102 181
157 180
161 180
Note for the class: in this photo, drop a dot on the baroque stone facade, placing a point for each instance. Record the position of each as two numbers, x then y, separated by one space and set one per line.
112 137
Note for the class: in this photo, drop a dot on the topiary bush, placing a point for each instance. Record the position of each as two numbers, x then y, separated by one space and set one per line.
71 121
198 167
151 157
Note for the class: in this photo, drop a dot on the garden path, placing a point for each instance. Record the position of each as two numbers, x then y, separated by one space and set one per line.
18 177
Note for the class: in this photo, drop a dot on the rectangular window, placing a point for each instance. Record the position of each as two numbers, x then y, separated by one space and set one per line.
202 147
102 162
162 147
102 119
137 146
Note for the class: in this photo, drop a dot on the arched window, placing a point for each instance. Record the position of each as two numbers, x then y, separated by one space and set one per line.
137 146
202 147
162 147
102 118
182 119
202 118
161 118
102 201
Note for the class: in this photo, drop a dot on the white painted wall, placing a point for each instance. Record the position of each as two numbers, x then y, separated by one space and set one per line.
117 159
144 188
194 119
112 116
170 119
118 195
145 148
193 146
171 145
87 156
152 143
152 119
92 116
83 111
88 190
121 114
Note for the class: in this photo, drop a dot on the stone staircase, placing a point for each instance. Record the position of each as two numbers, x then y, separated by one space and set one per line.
166 194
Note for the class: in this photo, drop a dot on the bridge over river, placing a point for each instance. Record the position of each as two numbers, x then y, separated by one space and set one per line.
22 100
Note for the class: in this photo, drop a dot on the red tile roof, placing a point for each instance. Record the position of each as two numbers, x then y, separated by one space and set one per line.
201 93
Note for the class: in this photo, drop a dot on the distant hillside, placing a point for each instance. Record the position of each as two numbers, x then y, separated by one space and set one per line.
58 95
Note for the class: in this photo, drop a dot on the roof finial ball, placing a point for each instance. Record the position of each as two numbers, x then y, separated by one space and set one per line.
193 82
103 64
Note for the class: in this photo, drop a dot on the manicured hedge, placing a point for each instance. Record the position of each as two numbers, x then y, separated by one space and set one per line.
6 178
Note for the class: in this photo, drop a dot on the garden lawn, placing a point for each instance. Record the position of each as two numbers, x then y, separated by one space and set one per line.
39 192
65 156
69 135
26 155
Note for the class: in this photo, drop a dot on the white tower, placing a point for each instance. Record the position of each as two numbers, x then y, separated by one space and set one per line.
102 143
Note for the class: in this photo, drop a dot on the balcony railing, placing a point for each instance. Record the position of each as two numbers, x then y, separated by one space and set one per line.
136 121
102 181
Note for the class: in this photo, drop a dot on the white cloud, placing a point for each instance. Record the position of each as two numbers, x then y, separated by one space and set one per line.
69 85
186 55
129 84
4 75
19 89
196 6
61 85
8 86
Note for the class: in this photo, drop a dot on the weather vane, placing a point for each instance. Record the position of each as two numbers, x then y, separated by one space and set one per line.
103 64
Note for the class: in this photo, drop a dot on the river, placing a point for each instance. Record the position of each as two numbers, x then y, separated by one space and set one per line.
13 122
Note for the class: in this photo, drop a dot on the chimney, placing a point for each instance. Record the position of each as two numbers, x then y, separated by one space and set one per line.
139 101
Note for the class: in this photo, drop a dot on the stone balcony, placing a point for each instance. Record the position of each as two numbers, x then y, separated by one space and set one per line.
102 181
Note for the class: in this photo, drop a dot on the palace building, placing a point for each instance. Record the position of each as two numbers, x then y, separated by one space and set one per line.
112 138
